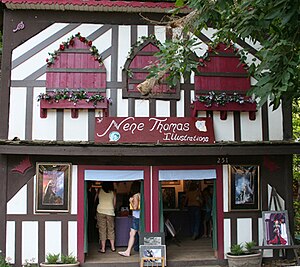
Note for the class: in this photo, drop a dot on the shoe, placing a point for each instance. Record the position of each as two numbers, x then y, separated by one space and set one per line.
122 253
101 251
113 250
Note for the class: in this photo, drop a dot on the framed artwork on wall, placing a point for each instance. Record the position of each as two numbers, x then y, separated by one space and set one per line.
154 238
181 200
244 187
53 187
173 182
276 228
155 252
169 197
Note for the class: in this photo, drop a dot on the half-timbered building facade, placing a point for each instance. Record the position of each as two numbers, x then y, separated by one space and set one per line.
59 54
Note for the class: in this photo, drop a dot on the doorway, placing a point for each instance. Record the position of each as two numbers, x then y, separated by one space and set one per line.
193 220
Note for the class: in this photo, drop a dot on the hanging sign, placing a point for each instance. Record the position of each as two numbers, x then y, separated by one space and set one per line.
187 130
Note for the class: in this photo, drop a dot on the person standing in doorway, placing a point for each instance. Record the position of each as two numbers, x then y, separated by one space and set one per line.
134 203
106 216
194 204
207 207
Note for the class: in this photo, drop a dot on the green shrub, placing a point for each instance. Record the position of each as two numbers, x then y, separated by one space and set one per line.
242 249
249 246
3 262
30 263
237 249
52 258
68 259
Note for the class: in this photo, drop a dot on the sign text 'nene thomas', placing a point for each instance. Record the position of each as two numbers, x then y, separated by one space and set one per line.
185 130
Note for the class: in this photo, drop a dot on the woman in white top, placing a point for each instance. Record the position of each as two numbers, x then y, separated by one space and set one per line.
106 215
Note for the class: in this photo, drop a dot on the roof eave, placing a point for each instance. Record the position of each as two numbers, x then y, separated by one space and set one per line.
129 7
61 148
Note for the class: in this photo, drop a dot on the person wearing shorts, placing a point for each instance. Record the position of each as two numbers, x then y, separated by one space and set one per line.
134 203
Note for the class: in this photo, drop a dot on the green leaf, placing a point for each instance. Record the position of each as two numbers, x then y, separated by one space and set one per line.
262 81
179 3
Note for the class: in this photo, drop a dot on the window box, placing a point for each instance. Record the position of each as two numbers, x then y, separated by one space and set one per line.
231 106
66 104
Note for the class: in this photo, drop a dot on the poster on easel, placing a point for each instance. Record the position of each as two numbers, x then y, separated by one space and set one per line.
276 228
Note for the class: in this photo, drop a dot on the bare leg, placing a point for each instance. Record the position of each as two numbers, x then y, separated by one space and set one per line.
127 252
112 244
103 245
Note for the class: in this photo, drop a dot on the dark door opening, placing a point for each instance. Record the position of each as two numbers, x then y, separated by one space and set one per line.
187 205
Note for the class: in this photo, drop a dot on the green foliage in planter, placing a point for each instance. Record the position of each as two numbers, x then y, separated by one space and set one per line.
3 262
52 258
249 246
237 249
68 259
30 263
221 99
72 96
243 249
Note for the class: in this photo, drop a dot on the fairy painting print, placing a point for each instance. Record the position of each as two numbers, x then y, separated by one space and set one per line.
52 187
276 228
244 187
154 255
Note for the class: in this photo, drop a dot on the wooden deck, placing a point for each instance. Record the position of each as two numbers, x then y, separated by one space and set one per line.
190 253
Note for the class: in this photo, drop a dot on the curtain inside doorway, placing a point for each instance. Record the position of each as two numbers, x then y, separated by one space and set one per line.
113 175
167 175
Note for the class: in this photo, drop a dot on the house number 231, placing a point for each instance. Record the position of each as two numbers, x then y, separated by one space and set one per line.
222 160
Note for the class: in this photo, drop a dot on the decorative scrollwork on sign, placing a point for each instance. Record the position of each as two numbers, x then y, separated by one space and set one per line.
20 26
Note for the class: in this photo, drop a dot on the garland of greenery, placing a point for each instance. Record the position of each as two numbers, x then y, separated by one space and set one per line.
214 50
70 42
72 96
221 99
3 261
141 41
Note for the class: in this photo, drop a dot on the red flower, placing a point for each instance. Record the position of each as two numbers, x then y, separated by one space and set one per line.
62 47
72 42
201 60
90 43
82 39
95 58
210 49
47 59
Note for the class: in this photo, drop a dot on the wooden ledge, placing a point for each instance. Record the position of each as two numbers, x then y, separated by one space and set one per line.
65 104
229 107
